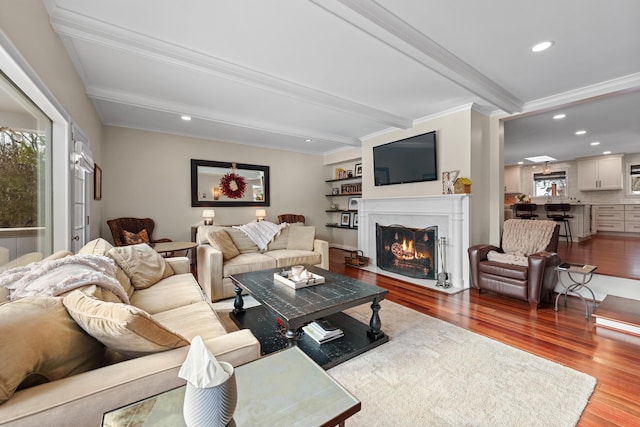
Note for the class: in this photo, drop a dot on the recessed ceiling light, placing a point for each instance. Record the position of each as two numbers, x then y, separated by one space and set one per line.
595 143
606 152
521 163
308 140
539 47
186 118
540 159
581 132
559 116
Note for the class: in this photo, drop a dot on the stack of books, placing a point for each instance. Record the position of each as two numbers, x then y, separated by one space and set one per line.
322 331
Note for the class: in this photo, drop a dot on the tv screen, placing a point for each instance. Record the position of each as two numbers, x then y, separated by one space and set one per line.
408 160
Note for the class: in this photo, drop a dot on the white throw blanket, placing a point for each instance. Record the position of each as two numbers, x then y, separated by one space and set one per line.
262 232
55 277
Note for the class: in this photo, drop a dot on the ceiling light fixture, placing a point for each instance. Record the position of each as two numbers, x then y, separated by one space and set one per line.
547 169
539 47
521 163
581 132
595 143
308 140
186 118
606 152
559 116
540 159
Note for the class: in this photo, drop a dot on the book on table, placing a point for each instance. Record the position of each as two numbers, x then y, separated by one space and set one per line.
322 331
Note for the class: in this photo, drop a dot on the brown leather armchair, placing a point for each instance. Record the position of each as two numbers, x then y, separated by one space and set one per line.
132 225
524 266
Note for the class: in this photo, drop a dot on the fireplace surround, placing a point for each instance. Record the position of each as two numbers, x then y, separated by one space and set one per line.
449 213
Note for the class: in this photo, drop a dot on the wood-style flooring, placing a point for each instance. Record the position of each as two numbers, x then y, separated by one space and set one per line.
565 337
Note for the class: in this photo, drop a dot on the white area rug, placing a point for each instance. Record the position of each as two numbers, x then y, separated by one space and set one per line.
432 373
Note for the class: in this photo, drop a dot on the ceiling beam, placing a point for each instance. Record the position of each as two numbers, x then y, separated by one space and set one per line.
391 30
81 27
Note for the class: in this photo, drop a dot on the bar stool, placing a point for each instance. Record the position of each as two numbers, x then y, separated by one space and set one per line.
526 210
558 212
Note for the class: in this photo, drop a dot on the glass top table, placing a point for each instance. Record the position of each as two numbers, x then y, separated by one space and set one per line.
284 388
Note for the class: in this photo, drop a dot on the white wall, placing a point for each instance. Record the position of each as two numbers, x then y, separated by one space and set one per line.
148 174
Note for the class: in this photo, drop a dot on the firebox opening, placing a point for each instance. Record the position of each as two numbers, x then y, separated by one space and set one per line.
407 251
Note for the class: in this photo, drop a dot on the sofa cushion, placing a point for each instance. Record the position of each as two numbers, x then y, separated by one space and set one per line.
100 246
40 343
144 266
175 291
280 240
301 237
287 257
121 327
135 238
245 263
221 241
192 320
241 240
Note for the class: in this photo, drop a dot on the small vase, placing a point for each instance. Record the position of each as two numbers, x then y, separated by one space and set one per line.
212 406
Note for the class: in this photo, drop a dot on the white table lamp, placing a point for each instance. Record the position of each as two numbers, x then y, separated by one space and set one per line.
208 216
260 214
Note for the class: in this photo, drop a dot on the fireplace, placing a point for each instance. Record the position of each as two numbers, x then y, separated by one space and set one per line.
407 251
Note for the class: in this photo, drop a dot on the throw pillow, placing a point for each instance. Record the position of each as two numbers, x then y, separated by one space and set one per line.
135 238
124 328
144 266
221 241
301 237
100 246
41 343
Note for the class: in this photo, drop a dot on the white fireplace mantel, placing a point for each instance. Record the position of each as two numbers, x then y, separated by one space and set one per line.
450 213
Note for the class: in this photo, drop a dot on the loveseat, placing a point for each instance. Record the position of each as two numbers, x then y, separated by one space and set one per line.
85 352
223 251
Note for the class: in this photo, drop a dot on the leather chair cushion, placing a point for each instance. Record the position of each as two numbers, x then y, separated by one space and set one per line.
512 271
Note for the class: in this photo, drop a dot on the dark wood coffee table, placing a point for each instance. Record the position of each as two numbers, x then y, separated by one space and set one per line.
277 322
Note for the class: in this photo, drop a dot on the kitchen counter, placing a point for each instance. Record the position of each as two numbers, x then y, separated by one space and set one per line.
581 223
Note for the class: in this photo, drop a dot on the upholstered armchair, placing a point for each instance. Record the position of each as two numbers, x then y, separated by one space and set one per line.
128 231
523 266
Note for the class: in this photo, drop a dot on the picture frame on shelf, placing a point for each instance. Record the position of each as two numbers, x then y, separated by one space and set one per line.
353 204
354 220
345 219
358 169
335 191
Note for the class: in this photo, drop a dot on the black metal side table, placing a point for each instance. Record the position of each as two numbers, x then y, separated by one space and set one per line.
579 275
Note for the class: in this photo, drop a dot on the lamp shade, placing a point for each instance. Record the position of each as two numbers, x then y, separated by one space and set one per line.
208 213
261 213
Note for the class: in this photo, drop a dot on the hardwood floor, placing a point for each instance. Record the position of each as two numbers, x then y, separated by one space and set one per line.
565 337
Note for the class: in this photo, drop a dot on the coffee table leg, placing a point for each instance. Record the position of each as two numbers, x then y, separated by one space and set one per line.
238 302
291 337
375 324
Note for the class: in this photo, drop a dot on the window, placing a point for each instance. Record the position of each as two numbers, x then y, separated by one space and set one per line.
634 179
551 184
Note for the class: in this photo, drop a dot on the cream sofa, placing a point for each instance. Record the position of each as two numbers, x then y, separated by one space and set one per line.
62 339
295 244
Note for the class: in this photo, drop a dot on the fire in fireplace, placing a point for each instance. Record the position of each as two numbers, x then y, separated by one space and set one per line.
407 251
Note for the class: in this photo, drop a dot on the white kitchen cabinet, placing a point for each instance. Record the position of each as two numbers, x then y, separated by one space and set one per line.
512 180
610 217
632 218
600 173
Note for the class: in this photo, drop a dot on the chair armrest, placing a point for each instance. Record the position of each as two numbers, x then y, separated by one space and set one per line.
322 247
180 264
542 274
478 253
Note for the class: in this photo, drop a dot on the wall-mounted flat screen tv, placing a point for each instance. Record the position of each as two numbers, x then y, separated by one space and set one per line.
408 160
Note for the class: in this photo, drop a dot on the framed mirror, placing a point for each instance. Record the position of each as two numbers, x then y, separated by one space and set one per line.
228 184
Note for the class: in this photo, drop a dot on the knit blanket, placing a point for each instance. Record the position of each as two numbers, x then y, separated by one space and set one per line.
55 277
261 232
525 237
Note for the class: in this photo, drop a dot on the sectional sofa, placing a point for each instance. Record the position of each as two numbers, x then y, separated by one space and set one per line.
68 359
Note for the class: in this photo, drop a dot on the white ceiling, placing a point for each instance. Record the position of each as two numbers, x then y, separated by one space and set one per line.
274 73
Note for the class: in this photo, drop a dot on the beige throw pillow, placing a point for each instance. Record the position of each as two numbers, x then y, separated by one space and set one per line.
41 343
123 328
221 241
144 266
301 237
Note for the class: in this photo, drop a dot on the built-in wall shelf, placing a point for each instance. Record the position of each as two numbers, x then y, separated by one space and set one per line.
344 179
341 226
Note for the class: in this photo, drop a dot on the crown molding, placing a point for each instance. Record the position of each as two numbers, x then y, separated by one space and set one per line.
76 26
139 101
407 40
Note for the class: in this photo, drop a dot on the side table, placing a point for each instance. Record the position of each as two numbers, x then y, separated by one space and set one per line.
578 275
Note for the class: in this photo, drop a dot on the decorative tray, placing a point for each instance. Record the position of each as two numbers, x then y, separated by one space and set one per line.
286 278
